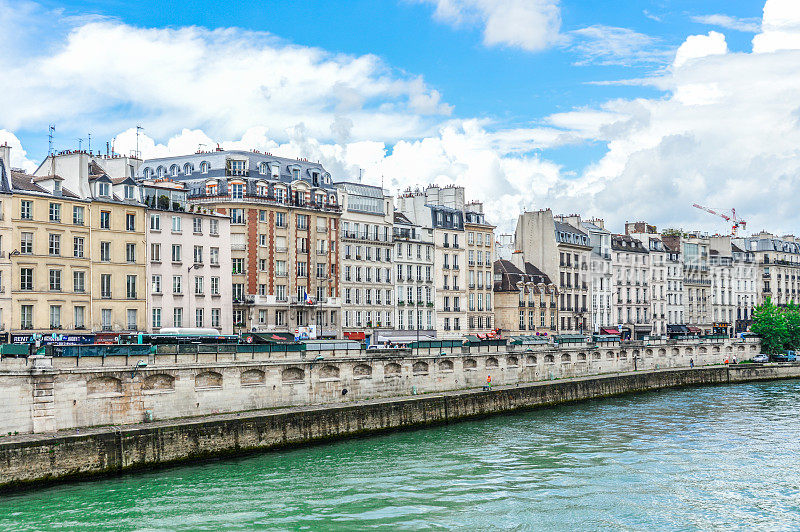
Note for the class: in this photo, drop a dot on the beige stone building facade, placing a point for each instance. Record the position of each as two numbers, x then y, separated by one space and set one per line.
480 260
525 300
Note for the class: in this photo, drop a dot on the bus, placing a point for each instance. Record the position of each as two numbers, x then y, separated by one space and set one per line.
180 335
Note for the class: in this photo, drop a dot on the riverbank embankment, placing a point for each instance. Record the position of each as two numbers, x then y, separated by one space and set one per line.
33 460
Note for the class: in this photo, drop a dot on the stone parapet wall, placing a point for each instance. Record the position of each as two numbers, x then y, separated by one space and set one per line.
91 391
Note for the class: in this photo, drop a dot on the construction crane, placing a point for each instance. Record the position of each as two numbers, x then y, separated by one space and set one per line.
728 216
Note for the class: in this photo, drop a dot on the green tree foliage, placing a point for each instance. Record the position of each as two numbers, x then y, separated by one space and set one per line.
779 328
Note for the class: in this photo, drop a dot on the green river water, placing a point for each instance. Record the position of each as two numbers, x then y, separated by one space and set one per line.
724 457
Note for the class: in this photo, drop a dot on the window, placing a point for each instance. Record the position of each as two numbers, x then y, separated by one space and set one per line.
105 251
130 222
26 316
54 244
215 286
262 240
198 317
177 287
105 318
302 221
55 316
197 225
280 219
129 188
104 189
80 317
130 285
237 216
198 285
213 227
130 252
176 252
156 283
26 243
77 246
213 255
198 254
105 219
79 282
77 215
55 212
215 315
302 270
105 285
155 222
237 190
131 314
155 252
156 317
176 224
177 317
26 210
238 265
204 167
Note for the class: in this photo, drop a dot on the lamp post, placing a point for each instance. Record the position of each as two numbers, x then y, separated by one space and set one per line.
191 294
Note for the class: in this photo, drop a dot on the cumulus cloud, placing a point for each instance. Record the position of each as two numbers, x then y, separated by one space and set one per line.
222 80
780 27
19 157
530 25
698 46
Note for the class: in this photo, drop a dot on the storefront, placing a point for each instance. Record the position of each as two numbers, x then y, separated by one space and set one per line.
53 339
722 328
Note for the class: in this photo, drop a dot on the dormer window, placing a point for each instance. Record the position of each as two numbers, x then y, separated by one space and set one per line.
174 170
315 178
187 168
103 189
211 188
237 167
280 194
237 190
204 167
275 168
295 173
129 192
263 169
261 188
160 172
56 187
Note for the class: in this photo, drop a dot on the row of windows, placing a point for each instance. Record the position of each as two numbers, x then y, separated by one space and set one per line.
79 318
353 296
177 285
177 254
78 215
235 167
177 224
475 238
26 282
177 317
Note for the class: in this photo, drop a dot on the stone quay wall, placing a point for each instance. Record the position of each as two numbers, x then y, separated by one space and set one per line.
34 460
47 395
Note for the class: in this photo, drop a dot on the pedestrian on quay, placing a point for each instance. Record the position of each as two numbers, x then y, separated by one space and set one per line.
691 362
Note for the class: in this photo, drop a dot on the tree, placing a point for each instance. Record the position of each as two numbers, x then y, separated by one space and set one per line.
769 322
792 316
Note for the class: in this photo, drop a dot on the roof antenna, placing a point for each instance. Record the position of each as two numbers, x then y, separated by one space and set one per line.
360 171
80 144
137 153
50 134
90 144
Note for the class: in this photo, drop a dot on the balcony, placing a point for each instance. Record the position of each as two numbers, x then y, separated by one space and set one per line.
262 199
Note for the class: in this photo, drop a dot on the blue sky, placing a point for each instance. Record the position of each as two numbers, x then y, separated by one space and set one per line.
524 101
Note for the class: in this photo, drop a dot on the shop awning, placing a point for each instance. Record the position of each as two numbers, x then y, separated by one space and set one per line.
355 335
694 330
677 329
609 331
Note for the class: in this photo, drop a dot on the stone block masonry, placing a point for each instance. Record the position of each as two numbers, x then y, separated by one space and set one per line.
36 459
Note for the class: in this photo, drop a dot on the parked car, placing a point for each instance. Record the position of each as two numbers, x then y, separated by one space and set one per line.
791 356
761 357
779 357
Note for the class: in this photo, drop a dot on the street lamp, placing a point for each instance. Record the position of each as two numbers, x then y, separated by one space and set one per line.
190 294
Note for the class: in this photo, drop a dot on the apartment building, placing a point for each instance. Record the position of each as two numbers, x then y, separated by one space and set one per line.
525 299
77 264
745 284
600 275
366 260
694 249
480 253
188 260
284 217
6 239
674 293
442 211
778 262
414 281
631 265
562 251
658 276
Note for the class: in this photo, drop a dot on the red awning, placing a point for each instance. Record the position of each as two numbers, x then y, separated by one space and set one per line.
609 331
695 330
358 335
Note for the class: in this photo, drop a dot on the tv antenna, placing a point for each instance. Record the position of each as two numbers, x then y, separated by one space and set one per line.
50 134
138 154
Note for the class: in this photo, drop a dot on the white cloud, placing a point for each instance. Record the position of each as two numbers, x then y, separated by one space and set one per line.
222 80
697 46
530 25
608 45
748 25
780 27
19 157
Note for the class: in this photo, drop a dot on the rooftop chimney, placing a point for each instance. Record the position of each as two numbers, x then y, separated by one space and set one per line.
5 156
